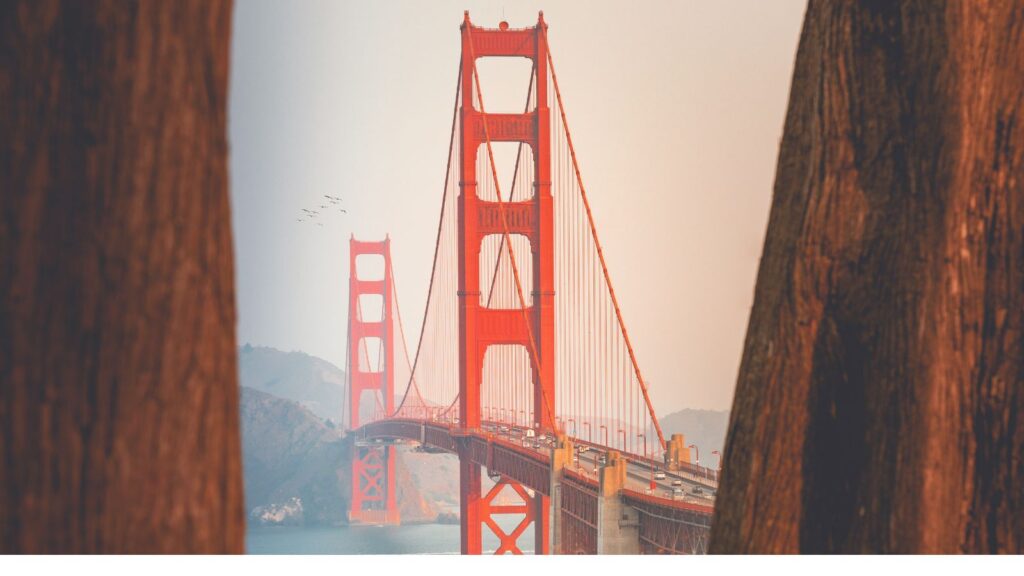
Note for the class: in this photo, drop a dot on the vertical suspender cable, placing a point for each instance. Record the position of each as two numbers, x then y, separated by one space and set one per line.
440 226
600 253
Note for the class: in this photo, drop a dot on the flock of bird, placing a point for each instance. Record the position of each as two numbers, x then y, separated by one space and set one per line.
332 202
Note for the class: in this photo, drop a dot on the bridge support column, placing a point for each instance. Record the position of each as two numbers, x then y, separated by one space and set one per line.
373 486
561 457
373 499
618 525
676 452
469 504
542 523
480 510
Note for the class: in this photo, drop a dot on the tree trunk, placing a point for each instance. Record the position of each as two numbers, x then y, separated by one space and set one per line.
880 400
119 399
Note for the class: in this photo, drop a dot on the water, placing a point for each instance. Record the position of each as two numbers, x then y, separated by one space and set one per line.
412 539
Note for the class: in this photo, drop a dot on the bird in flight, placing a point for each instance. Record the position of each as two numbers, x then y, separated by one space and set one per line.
332 201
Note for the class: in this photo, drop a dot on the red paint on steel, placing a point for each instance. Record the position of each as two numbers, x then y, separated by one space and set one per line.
481 327
374 494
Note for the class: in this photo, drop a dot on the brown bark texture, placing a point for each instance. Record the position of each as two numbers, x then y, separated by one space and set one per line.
880 401
118 378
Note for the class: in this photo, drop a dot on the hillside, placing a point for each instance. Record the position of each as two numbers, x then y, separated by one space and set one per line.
705 428
297 466
312 382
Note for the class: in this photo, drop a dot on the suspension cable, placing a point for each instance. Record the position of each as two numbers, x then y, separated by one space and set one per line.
437 243
597 243
347 400
401 333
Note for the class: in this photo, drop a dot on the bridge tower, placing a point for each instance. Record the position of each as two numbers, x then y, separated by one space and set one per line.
374 497
479 326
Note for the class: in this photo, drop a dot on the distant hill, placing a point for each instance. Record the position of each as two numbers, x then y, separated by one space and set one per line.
705 428
297 467
289 453
312 382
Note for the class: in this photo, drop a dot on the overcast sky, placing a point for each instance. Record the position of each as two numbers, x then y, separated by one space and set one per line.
676 110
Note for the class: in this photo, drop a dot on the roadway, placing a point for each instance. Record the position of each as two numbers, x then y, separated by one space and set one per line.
678 486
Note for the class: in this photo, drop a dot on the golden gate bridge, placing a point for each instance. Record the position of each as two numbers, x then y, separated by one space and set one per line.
523 365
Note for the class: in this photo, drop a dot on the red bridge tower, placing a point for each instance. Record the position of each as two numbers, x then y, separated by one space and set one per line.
479 326
373 467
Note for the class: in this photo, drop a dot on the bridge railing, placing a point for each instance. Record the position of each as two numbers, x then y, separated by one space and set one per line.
444 417
515 435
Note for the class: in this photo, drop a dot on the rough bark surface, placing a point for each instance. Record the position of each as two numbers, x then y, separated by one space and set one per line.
880 400
118 379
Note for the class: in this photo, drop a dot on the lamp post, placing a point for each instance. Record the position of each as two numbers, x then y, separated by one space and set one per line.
719 470
605 428
696 452
623 432
589 438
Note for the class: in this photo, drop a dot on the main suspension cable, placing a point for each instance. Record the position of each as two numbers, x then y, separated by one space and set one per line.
401 334
437 243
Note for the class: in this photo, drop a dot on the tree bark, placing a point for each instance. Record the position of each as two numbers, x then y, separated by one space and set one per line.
880 400
119 400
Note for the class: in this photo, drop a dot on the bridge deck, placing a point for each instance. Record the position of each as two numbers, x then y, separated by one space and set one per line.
672 514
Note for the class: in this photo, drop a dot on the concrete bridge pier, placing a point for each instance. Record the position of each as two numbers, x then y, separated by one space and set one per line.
676 452
561 457
618 525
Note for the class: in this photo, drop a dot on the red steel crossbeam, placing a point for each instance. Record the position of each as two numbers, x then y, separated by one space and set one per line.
508 541
368 472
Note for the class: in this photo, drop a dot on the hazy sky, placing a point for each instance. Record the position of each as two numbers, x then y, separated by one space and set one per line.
676 110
